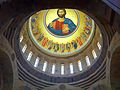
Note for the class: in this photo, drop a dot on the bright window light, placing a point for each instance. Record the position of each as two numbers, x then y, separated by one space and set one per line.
87 61
36 62
99 46
80 65
24 48
53 69
62 69
29 56
21 38
71 68
45 66
94 54
100 35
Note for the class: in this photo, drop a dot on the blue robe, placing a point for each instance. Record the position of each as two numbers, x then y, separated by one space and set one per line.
71 26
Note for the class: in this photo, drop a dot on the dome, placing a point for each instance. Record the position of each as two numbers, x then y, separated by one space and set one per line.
60 46
47 47
57 39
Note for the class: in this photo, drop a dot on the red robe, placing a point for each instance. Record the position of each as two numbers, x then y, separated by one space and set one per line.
61 26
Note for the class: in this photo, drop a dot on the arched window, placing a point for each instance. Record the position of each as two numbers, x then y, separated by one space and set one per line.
71 68
36 62
29 56
87 61
45 66
53 69
24 48
21 38
99 46
94 54
79 65
100 35
62 69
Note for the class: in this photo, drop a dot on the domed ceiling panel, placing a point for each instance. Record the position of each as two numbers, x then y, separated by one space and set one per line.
61 32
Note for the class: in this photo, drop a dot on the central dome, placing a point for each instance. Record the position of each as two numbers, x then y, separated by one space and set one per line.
60 43
60 32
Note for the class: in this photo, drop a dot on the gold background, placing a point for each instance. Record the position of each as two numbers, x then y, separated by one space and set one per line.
72 14
52 14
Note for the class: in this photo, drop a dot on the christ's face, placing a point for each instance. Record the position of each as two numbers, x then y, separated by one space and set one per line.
61 13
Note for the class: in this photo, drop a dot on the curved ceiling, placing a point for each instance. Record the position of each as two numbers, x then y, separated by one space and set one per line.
60 36
61 42
33 62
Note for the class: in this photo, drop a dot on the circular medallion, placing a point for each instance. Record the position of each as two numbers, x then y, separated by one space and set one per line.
61 22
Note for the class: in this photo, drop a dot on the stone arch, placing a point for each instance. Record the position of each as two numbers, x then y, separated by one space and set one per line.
6 72
114 71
